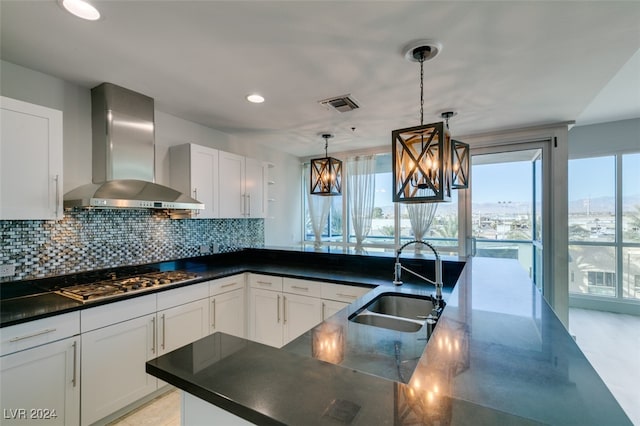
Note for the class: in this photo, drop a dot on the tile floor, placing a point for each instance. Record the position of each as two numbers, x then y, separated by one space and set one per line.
161 411
611 342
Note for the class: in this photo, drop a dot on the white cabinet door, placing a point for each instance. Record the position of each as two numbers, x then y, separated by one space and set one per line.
30 161
42 385
265 317
331 307
300 314
113 366
231 175
256 175
228 313
181 325
194 171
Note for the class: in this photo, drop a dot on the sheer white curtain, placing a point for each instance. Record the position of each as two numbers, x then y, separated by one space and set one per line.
361 187
421 215
319 207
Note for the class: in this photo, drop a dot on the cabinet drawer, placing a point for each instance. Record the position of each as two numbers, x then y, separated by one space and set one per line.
34 333
226 284
182 295
102 316
342 293
303 287
267 282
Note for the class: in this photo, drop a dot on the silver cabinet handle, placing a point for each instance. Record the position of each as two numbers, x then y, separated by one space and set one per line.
75 363
264 283
57 179
323 305
278 308
195 195
249 209
29 336
284 309
300 288
153 333
350 296
213 316
163 331
244 204
228 285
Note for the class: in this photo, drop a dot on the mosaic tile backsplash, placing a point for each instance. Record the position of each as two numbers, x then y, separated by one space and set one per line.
94 239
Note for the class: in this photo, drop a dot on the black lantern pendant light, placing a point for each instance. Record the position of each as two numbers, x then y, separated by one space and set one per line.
459 158
422 160
326 173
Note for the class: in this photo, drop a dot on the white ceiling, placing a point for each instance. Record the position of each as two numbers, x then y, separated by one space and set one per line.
503 64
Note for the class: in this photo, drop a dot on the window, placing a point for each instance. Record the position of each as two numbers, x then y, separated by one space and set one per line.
383 219
604 226
386 229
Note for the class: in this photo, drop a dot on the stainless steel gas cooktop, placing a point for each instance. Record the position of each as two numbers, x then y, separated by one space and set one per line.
116 287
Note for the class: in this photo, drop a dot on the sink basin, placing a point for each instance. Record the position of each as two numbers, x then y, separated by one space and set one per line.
391 323
401 305
395 311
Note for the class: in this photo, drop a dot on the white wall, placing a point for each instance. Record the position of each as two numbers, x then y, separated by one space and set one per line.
605 138
282 228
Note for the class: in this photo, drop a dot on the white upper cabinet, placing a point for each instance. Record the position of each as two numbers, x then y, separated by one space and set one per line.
30 161
229 185
194 171
232 185
243 185
256 177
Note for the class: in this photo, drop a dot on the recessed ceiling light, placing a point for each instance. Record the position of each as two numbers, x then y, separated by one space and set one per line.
81 9
255 98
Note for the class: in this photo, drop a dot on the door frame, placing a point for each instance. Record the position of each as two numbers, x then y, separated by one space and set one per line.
554 203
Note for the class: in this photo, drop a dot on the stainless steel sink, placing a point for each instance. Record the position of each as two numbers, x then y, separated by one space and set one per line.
400 305
396 311
391 323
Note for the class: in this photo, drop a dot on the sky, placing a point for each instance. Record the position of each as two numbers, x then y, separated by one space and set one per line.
511 182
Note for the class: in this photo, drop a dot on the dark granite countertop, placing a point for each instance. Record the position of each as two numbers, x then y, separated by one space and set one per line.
498 356
28 300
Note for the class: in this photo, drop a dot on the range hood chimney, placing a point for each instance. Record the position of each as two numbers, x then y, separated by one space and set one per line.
124 156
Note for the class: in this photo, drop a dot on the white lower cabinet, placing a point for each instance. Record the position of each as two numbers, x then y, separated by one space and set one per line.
331 307
114 355
228 314
277 317
300 314
113 366
265 318
40 371
81 367
227 311
42 385
336 297
181 325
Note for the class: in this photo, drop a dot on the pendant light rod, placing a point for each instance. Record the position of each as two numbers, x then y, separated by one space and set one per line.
326 137
447 115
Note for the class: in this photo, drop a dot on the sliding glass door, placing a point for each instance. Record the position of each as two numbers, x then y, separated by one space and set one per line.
505 205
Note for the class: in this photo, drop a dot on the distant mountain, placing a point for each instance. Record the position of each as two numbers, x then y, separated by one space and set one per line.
602 204
596 205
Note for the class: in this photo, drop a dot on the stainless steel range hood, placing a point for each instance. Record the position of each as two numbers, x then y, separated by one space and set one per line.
124 156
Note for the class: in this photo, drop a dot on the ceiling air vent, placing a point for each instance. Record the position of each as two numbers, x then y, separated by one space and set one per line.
340 103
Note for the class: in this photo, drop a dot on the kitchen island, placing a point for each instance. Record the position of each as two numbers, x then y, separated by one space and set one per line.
498 355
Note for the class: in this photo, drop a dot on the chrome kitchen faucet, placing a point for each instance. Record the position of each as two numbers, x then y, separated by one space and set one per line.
438 281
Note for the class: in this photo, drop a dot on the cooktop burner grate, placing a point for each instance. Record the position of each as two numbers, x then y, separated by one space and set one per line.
115 287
